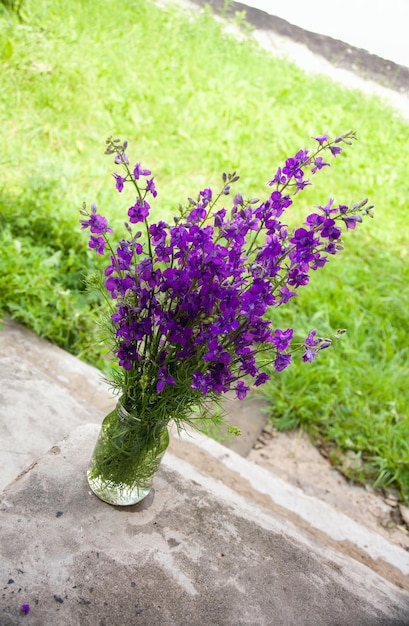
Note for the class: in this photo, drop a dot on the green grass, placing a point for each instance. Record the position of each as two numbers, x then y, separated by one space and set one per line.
194 102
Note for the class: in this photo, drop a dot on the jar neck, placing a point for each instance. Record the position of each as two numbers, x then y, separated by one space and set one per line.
125 416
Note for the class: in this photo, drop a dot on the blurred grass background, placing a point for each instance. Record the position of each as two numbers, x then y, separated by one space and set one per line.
194 102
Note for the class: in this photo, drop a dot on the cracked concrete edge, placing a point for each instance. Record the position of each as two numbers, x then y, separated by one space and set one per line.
265 518
317 514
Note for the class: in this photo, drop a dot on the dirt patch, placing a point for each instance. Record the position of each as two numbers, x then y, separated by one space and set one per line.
292 457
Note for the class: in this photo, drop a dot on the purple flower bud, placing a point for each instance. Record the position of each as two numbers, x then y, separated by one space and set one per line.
121 158
238 199
311 339
335 150
326 343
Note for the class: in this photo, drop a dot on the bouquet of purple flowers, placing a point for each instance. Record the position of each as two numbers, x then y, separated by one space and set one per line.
189 300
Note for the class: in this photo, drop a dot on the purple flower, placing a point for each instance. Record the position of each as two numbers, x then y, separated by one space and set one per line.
97 244
139 211
241 390
286 295
309 355
119 286
219 218
311 345
216 353
351 221
25 608
127 355
238 199
331 248
164 378
119 182
319 261
279 178
318 164
261 379
300 185
158 233
125 254
282 361
282 338
200 382
335 150
96 223
151 188
278 203
330 230
198 214
206 194
297 277
321 139
305 243
179 238
138 171
163 253
326 343
121 158
314 220
327 209
292 168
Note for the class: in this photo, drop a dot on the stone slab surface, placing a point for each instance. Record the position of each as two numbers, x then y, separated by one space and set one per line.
34 413
60 367
193 553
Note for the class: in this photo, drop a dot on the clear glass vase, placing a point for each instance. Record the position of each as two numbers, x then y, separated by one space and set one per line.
126 457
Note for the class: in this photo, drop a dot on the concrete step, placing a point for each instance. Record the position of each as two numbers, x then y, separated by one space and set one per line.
47 392
193 553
